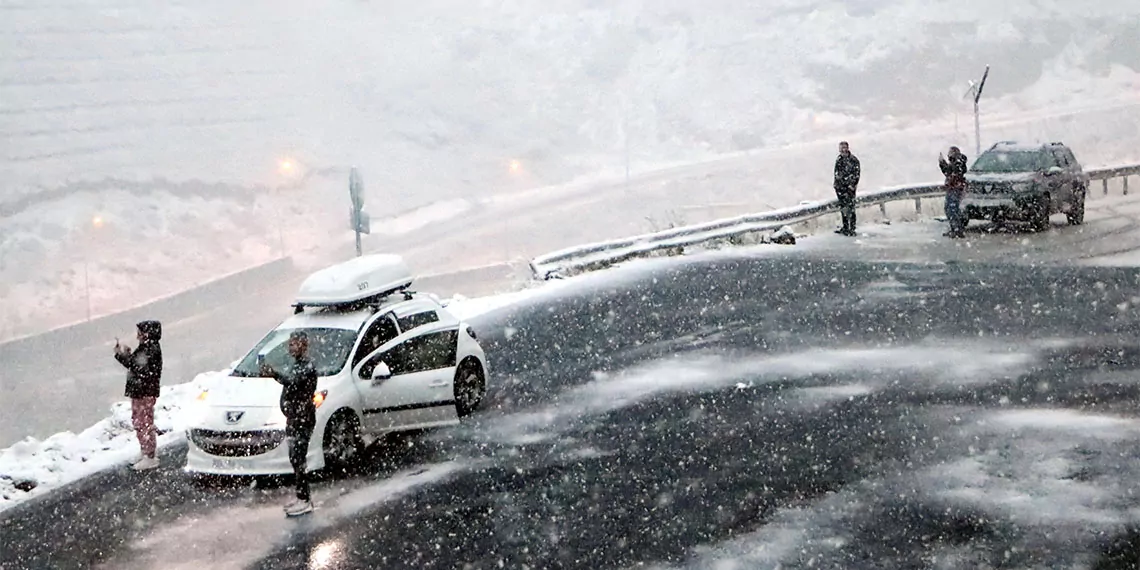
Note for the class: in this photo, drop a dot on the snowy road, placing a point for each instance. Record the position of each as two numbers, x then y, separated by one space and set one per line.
54 382
730 411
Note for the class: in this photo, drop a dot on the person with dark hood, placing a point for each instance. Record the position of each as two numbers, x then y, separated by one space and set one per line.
847 172
955 171
298 384
144 379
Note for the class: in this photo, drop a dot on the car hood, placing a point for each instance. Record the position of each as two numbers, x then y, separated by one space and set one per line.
1000 176
239 392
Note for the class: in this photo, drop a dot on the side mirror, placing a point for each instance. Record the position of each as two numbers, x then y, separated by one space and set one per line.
1054 170
381 372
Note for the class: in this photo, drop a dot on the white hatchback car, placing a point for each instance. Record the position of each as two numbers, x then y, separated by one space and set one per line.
387 360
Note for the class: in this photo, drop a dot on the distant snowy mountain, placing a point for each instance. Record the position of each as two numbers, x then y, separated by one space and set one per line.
104 107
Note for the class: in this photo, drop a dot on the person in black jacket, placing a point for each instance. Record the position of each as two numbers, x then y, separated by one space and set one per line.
847 171
144 379
298 384
955 172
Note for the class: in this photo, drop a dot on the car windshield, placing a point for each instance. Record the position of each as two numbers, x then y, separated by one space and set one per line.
328 348
1012 161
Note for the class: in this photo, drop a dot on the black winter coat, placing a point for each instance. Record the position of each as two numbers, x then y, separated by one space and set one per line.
955 172
298 384
144 364
847 172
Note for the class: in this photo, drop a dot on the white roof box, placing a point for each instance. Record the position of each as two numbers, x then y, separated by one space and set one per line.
355 280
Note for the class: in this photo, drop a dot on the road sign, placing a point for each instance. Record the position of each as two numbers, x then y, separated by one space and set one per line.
359 221
363 223
356 188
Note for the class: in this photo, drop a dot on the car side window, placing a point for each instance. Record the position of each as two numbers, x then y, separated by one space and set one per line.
379 332
431 351
409 322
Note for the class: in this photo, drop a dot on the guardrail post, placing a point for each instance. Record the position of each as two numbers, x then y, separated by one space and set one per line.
1104 181
1126 185
883 209
918 206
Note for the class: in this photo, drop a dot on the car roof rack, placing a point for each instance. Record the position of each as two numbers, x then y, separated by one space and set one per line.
375 302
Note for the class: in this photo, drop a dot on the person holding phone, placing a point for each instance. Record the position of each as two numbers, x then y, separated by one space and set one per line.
298 382
954 170
144 382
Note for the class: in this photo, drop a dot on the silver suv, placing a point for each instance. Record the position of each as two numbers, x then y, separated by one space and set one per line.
1028 182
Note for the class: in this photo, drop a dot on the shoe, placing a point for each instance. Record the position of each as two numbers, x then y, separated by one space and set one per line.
841 232
145 464
298 508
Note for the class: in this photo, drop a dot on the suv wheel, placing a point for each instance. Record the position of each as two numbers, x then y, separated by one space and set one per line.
1041 213
1076 215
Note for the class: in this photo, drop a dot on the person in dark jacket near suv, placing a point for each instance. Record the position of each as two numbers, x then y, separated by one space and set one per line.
144 379
847 172
955 171
298 384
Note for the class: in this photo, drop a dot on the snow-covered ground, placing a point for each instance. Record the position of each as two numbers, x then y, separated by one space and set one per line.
207 137
33 467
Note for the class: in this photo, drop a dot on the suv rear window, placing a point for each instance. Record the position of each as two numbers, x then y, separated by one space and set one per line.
1012 161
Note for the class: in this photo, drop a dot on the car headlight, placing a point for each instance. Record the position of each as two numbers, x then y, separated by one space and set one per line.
202 396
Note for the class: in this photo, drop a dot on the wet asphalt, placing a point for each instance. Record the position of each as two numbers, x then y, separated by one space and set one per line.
732 412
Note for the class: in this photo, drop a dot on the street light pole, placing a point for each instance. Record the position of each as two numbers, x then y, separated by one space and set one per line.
976 92
87 288
96 225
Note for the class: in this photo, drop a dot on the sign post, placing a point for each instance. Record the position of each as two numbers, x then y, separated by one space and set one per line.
358 219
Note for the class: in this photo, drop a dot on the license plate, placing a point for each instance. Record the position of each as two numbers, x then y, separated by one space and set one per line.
986 202
223 464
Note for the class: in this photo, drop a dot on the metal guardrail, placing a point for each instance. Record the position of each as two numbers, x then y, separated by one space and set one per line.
587 257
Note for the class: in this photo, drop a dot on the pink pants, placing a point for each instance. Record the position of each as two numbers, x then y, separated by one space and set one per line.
142 418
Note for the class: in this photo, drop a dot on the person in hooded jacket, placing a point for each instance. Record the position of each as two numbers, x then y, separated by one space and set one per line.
144 379
955 171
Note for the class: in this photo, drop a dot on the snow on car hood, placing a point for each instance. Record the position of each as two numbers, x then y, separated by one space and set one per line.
1000 176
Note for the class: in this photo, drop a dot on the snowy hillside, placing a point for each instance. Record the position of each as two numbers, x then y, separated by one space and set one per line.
168 144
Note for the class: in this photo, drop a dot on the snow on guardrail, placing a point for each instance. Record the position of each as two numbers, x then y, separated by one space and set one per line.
603 254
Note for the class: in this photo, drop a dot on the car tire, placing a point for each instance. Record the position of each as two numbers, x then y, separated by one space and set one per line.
470 387
1041 214
342 442
1076 215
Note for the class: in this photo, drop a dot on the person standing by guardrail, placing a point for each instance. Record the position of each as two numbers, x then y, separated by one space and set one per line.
144 379
847 171
955 172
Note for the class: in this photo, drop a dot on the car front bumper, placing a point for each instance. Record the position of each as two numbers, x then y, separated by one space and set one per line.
275 461
1008 204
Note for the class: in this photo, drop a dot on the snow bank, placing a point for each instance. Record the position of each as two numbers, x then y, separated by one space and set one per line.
33 467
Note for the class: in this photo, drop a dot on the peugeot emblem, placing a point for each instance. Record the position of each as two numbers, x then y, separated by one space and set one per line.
233 417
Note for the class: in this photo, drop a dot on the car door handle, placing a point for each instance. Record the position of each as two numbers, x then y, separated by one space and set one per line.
439 384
